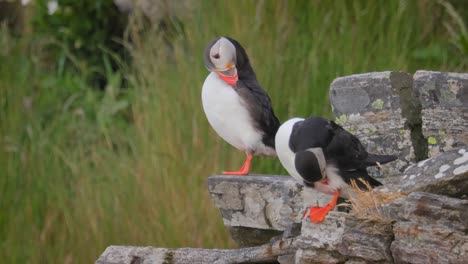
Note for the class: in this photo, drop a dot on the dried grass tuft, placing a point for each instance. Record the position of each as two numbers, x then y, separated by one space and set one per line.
370 204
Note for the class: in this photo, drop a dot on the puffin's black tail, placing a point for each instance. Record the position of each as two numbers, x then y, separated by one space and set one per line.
373 182
372 159
361 178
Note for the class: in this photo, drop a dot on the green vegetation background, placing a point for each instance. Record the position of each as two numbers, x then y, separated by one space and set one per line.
82 168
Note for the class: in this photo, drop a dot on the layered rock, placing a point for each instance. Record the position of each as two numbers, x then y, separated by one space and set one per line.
444 101
416 116
421 228
429 228
369 106
256 208
445 174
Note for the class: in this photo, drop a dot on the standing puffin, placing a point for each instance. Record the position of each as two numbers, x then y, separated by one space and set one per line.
237 108
321 154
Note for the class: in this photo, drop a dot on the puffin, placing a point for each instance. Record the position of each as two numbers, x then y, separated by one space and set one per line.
322 155
235 104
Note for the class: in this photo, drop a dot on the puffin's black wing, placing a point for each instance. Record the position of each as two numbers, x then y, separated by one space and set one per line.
345 149
349 153
351 157
260 108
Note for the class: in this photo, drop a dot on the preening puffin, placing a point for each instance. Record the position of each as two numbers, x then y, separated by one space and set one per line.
237 108
321 154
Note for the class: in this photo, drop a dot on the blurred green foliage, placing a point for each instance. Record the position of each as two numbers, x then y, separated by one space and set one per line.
81 168
87 31
457 24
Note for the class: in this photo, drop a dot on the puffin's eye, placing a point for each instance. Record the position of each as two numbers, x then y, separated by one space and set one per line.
216 56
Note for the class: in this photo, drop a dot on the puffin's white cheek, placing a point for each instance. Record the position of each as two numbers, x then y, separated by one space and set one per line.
228 53
222 63
223 54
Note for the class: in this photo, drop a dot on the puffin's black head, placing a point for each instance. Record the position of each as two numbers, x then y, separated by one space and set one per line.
310 164
226 57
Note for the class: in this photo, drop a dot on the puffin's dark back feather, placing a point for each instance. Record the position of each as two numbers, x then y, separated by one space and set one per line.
255 98
260 108
310 133
346 149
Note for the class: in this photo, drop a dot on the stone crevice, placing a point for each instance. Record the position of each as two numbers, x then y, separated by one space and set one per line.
411 111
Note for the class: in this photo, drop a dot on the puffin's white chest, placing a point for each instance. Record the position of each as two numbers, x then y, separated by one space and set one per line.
228 116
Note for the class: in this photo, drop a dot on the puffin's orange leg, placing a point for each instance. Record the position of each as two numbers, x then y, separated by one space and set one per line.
244 170
317 214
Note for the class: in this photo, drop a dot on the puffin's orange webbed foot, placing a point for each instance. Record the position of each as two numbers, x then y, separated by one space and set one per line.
241 172
244 170
317 214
